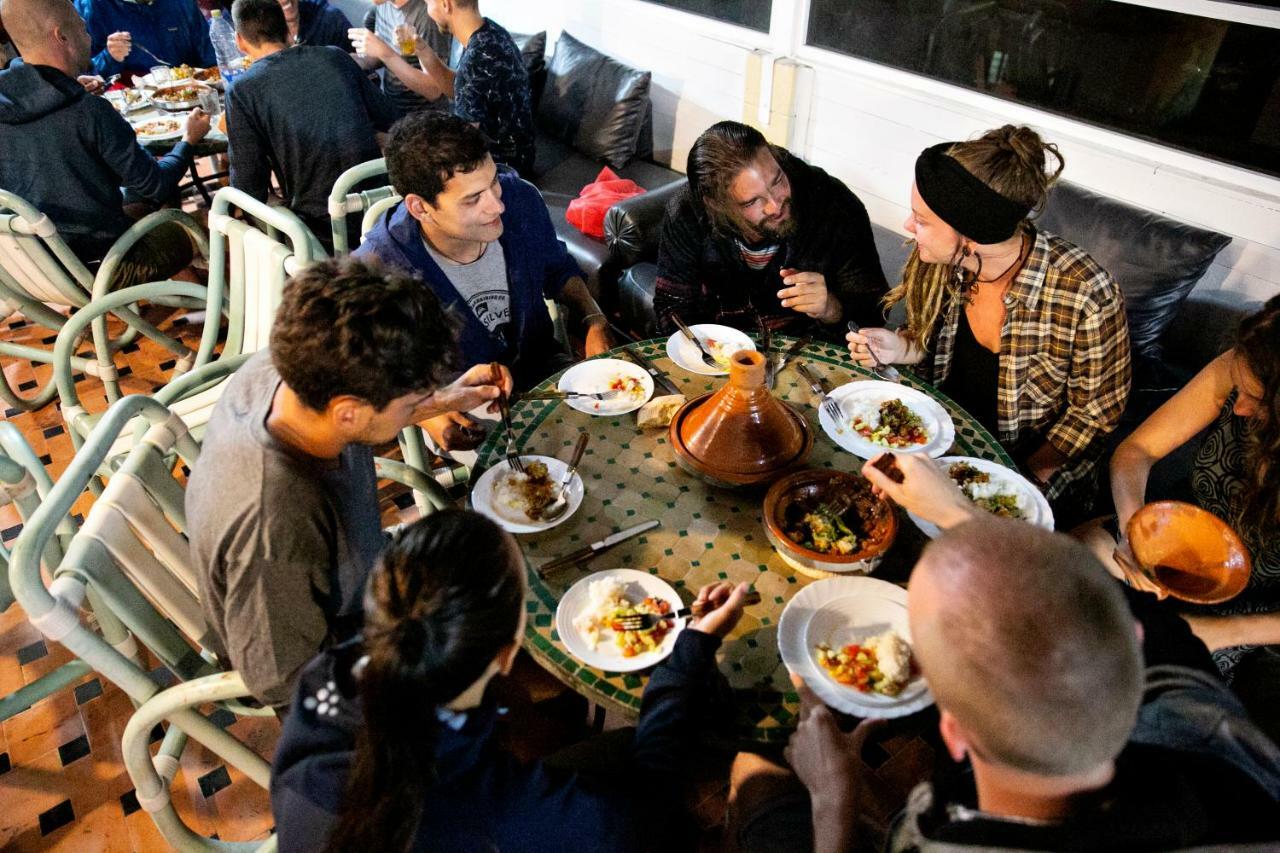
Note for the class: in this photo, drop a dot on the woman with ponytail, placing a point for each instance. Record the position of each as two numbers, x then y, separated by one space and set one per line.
389 744
1018 326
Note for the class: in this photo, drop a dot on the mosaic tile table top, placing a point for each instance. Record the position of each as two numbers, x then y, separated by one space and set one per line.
706 534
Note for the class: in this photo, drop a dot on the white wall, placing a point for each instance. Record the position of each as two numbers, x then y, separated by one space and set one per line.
866 124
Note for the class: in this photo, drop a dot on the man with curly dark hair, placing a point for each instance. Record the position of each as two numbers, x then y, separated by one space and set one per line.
282 506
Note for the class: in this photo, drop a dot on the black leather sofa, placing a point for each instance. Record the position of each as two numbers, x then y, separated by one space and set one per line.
591 111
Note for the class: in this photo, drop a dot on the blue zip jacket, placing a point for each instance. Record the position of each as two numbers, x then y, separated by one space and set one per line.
69 153
538 266
174 30
319 24
483 799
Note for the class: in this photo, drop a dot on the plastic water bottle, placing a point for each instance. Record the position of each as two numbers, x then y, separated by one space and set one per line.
230 60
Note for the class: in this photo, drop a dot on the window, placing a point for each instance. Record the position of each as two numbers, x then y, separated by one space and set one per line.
1199 84
753 14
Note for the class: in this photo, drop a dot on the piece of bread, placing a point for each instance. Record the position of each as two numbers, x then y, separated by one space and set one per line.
658 412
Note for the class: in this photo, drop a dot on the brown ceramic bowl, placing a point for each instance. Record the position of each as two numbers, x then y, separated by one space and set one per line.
733 474
797 493
1189 552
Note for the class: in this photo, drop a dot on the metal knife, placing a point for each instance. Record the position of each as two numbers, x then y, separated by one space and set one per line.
792 351
584 554
817 384
659 378
766 348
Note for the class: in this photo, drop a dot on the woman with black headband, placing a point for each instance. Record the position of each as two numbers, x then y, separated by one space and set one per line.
1021 328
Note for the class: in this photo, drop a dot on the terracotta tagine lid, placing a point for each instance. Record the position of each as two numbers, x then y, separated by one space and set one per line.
740 435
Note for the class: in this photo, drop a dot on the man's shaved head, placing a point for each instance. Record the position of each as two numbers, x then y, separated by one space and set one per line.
1029 644
31 22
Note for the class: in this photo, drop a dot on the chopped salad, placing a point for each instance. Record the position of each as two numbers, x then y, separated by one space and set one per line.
892 424
880 664
607 603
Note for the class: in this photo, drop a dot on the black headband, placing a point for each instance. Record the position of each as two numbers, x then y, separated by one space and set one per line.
963 201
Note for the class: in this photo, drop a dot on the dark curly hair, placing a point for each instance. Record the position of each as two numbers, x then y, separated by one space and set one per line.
427 148
354 327
1258 343
443 601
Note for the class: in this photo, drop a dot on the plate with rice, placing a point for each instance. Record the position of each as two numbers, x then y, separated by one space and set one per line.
880 416
999 490
584 620
518 502
849 639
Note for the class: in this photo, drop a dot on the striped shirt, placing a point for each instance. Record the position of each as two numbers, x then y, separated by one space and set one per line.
756 259
1064 357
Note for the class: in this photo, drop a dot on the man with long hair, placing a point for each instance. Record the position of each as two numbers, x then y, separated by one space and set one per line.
760 235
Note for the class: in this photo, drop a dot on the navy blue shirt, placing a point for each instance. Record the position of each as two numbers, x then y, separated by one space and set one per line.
538 266
491 89
308 114
174 30
69 153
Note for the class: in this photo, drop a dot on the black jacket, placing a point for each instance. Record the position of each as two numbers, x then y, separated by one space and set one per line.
702 277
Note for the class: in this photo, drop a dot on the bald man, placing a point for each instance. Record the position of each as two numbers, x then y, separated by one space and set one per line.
1036 662
70 153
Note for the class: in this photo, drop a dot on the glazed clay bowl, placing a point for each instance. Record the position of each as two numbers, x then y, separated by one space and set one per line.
798 493
1189 552
716 469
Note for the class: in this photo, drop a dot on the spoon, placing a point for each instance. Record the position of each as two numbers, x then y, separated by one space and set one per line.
881 371
561 503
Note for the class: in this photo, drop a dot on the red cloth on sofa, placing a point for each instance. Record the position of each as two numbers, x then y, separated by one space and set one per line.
586 212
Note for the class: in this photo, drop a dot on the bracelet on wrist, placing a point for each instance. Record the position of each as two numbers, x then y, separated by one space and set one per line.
586 321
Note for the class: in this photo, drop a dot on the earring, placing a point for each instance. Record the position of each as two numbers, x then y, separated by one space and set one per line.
962 278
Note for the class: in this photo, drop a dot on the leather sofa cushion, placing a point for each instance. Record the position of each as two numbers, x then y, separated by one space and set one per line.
1155 260
533 50
594 103
635 299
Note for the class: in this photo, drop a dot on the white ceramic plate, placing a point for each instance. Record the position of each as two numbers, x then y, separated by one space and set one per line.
837 612
489 485
606 655
590 377
122 104
177 124
723 340
942 432
1037 505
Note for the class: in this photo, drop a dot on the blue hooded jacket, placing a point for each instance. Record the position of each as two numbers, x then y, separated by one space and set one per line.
538 266
69 153
174 30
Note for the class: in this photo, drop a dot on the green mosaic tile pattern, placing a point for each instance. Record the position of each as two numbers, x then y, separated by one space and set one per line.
707 534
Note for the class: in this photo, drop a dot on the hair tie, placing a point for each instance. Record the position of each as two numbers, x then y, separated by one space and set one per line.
963 201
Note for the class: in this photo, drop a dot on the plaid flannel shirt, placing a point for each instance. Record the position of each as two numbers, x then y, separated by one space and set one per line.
1064 356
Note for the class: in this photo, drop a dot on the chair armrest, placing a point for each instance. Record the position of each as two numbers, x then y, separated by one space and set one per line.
632 226
422 484
105 279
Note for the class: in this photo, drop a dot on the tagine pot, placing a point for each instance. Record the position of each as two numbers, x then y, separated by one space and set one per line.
740 435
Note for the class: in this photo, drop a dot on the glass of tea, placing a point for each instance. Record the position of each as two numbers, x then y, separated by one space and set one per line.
1188 552
407 39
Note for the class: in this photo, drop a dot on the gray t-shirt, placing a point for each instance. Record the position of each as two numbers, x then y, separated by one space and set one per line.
383 20
282 542
482 284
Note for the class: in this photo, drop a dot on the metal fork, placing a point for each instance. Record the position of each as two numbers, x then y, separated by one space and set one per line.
645 621
504 407
819 386
560 505
708 358
601 396
135 45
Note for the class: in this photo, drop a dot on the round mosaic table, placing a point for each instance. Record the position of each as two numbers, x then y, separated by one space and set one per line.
706 534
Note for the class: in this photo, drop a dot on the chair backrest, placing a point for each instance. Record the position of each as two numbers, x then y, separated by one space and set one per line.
35 263
344 202
260 263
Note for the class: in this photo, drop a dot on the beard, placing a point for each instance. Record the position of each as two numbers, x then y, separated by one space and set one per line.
778 229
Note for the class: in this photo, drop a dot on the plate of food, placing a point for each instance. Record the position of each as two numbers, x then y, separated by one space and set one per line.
178 96
880 416
158 129
722 341
211 76
630 386
127 100
999 490
850 640
519 502
586 626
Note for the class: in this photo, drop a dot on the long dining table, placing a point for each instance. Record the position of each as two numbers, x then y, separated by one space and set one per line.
706 534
